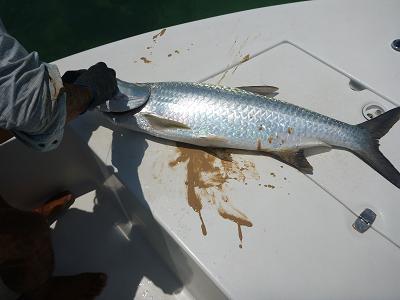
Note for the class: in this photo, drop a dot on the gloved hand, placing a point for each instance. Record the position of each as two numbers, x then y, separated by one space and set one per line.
71 76
99 79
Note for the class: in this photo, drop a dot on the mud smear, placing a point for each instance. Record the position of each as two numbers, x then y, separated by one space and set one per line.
155 37
270 186
222 77
158 35
245 58
145 60
238 217
176 51
206 178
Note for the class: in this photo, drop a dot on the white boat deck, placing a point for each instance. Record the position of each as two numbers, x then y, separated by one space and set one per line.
302 244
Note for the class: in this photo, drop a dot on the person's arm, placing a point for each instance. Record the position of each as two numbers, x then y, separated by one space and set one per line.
35 104
78 99
31 106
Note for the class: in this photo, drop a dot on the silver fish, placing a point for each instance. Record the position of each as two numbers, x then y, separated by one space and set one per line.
249 118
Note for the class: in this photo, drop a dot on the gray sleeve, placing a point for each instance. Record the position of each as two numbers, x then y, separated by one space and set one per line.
31 105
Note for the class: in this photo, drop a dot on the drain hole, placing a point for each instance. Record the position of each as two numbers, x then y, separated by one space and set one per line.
372 110
356 86
396 45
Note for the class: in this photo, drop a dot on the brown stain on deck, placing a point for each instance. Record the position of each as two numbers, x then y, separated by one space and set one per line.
145 60
240 219
245 58
222 77
206 176
160 34
290 130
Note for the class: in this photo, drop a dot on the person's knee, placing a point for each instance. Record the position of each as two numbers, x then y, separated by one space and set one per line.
29 267
25 278
27 252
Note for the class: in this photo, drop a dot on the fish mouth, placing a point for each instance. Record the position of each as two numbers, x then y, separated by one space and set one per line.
129 96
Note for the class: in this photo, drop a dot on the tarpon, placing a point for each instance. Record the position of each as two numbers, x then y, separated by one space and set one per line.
247 118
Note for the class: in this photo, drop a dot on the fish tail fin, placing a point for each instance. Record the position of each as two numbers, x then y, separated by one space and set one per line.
377 128
376 160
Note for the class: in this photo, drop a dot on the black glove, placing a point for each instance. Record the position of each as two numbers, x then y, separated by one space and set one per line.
100 80
71 76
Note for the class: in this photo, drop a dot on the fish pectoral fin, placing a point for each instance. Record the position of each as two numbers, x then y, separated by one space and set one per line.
160 122
295 159
263 90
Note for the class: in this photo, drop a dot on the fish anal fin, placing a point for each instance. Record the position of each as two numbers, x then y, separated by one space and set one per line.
160 122
295 159
263 90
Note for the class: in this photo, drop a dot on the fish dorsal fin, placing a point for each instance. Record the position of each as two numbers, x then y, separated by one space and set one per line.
160 122
295 159
263 90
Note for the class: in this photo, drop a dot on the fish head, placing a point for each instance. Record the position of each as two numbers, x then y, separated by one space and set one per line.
128 97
